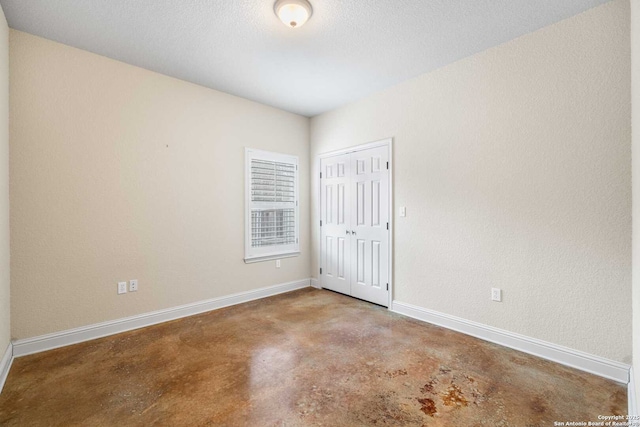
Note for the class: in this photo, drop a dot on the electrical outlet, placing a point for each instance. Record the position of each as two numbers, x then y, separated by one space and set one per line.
122 288
133 285
403 211
496 294
277 263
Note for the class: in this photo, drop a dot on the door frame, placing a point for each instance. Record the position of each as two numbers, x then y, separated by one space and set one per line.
387 142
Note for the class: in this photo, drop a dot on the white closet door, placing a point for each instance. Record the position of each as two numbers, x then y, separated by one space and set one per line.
369 225
335 242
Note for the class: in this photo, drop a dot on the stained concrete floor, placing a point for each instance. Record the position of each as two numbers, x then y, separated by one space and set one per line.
305 358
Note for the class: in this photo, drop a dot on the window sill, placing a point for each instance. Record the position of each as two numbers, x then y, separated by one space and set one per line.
270 257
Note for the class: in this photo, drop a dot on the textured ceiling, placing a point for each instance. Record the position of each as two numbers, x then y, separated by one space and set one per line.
349 49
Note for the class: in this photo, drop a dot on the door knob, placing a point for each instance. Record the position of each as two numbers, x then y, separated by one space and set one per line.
353 232
348 232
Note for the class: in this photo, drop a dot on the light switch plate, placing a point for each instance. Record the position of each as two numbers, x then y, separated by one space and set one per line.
122 288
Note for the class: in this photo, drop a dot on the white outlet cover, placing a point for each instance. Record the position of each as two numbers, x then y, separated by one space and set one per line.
133 285
277 263
496 294
403 211
122 288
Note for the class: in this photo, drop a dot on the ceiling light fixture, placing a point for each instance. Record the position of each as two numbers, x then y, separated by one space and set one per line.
293 13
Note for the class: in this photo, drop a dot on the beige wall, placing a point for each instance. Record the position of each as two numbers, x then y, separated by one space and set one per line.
515 169
120 173
5 330
635 125
513 164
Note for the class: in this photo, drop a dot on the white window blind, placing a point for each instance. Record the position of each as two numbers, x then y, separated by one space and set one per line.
271 205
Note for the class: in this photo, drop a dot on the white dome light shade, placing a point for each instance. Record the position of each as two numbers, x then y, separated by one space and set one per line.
293 13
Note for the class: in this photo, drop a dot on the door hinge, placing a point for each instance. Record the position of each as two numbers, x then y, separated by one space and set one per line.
320 223
296 240
387 165
320 271
387 226
387 286
320 175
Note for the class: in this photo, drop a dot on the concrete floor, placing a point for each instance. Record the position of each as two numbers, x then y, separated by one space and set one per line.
308 357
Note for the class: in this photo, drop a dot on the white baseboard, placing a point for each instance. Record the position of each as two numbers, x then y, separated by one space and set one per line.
631 394
576 359
315 283
27 346
5 365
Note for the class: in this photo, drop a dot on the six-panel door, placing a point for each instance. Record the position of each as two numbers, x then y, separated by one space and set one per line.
369 219
335 231
354 232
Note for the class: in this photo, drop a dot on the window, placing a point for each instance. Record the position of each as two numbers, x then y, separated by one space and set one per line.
271 209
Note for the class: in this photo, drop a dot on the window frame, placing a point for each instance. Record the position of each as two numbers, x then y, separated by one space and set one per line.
267 253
